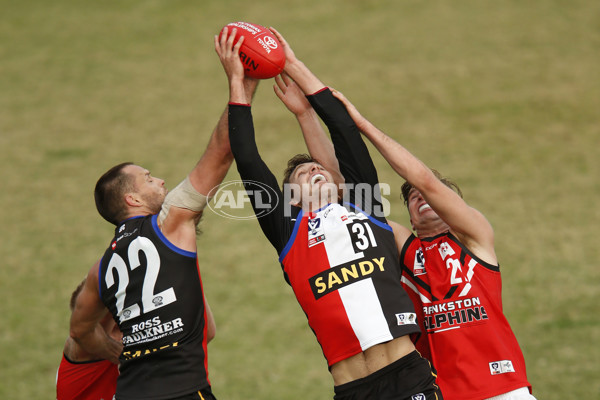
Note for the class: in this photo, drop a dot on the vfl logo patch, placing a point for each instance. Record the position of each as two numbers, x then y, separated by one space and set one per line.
406 319
501 367
418 396
419 265
314 224
315 232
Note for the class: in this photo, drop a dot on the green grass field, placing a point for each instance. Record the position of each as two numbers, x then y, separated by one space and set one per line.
502 96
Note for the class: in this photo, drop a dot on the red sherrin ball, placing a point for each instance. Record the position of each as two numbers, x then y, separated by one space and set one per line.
261 53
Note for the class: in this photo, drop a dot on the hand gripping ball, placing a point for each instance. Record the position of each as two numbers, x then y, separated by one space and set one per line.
261 53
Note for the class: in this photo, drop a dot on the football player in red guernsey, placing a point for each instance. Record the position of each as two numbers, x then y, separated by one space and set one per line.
451 272
82 375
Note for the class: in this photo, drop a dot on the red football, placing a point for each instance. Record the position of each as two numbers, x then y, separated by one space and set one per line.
261 53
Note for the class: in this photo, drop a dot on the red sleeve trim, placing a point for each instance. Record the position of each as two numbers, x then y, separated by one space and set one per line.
320 90
239 104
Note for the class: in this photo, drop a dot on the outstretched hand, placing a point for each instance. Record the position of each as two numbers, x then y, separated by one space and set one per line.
297 70
228 52
290 57
290 94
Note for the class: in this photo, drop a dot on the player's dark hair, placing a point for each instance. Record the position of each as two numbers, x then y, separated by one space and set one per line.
407 187
293 163
109 192
75 294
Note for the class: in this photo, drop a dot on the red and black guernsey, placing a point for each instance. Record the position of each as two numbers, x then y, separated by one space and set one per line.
468 338
341 262
154 292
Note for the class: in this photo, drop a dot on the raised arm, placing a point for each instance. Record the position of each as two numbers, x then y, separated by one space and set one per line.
295 69
318 144
184 205
470 226
251 167
85 327
352 155
355 163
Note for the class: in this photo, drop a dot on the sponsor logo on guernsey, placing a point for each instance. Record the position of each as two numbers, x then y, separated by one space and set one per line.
418 396
406 319
337 277
123 236
152 329
138 353
430 247
501 367
454 314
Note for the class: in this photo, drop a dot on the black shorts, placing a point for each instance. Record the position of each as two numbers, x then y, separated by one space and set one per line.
202 394
409 378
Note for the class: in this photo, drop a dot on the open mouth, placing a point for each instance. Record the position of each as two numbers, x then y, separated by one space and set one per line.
317 178
424 207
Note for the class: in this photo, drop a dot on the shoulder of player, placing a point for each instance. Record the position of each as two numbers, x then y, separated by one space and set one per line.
401 233
179 227
92 277
484 250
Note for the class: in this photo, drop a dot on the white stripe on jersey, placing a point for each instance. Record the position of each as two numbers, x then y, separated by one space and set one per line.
408 283
364 313
360 299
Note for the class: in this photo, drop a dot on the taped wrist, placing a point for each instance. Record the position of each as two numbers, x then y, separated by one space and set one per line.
185 196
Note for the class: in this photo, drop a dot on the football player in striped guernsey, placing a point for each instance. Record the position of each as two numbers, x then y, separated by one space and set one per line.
339 258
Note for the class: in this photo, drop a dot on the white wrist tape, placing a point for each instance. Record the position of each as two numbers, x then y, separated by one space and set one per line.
185 196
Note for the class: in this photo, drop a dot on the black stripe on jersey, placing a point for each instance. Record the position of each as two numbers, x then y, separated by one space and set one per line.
484 264
462 256
419 282
450 292
407 271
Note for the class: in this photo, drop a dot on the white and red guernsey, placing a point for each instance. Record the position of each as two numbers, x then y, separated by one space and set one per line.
459 307
342 264
343 268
